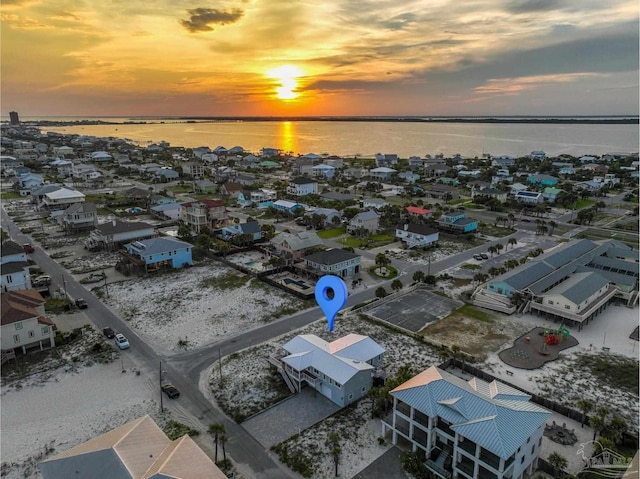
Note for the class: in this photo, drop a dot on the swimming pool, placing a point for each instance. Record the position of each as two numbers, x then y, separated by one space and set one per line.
250 264
299 283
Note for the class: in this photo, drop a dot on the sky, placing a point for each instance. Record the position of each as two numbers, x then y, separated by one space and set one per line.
319 57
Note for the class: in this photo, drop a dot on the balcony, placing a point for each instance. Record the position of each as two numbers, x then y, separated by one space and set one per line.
466 467
439 466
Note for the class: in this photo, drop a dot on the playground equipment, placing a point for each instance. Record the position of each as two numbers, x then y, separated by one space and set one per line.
555 336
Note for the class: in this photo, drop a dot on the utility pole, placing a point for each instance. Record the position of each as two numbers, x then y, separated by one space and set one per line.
220 365
105 283
160 381
429 266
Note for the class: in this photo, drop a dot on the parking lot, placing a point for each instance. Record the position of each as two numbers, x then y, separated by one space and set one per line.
415 310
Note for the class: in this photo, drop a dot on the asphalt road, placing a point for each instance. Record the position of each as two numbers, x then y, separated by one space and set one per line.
241 446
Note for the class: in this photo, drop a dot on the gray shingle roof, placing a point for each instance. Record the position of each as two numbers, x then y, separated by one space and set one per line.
331 256
13 267
568 252
524 275
579 286
11 247
121 227
160 245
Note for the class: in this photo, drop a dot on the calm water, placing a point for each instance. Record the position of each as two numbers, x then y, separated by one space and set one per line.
367 138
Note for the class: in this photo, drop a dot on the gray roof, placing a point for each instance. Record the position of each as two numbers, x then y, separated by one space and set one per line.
11 247
166 207
418 228
299 241
334 195
45 189
302 181
484 413
579 287
13 267
366 215
81 208
331 256
568 252
616 265
116 227
617 252
625 282
251 227
524 275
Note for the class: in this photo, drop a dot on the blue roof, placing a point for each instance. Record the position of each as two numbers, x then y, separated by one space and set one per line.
493 415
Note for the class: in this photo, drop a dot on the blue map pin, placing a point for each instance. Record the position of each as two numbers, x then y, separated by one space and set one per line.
331 306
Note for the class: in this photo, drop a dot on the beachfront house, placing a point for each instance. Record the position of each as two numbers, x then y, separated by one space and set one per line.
417 235
292 246
365 221
333 261
386 159
114 234
302 186
457 223
538 155
209 213
79 217
24 324
14 267
159 253
341 370
138 449
467 429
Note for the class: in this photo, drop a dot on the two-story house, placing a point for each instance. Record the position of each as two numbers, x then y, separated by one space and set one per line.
323 171
302 186
79 217
114 234
61 199
457 223
292 246
467 429
420 213
193 169
341 370
494 193
24 324
386 159
160 253
14 267
333 261
210 214
417 235
529 197
367 220
382 173
251 228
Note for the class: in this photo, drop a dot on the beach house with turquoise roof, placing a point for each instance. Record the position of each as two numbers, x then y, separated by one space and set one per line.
467 429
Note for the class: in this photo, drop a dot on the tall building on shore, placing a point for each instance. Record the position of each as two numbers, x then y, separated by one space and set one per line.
14 119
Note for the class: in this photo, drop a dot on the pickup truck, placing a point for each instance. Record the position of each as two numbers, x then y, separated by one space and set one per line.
42 280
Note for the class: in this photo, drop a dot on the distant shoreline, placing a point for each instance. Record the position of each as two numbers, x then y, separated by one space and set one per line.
214 119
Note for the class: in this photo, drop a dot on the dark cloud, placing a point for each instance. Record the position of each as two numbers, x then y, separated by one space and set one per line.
202 18
529 6
399 21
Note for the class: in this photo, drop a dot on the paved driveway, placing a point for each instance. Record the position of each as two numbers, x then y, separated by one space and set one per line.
289 417
387 466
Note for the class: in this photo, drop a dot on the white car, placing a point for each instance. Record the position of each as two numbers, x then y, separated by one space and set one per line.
121 341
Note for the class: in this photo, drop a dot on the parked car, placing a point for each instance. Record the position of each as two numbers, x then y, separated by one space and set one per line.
525 220
95 277
81 303
42 280
478 257
28 248
108 332
170 390
121 341
484 255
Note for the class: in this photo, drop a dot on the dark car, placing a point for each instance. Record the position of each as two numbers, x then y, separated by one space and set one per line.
525 220
28 248
81 303
484 255
170 390
109 333
478 257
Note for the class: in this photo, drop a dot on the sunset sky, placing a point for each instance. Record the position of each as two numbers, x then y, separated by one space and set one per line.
319 57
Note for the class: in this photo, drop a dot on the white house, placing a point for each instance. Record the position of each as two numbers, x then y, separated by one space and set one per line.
381 173
417 235
61 198
367 220
323 171
116 233
24 325
14 267
302 186
467 429
341 370
538 155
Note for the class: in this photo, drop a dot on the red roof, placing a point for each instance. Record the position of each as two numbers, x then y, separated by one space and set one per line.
20 305
418 211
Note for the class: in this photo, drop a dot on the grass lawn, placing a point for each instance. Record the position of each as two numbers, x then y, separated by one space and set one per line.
10 195
354 242
180 188
388 272
382 237
459 201
584 203
332 233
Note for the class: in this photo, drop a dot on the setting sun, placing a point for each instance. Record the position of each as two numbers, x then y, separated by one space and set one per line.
286 76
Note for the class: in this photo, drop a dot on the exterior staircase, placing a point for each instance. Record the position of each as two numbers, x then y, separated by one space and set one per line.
273 359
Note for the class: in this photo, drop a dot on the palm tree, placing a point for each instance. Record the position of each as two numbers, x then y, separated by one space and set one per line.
553 225
598 424
492 250
512 242
223 441
382 261
216 429
418 276
558 462
512 218
493 271
334 445
499 247
585 406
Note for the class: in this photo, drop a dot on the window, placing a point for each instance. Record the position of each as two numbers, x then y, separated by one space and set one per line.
9 279
16 338
45 332
550 302
566 306
533 448
363 388
31 334
528 440
540 442
18 325
522 460
350 396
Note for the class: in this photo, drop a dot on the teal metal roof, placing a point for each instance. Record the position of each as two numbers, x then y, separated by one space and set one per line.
494 415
